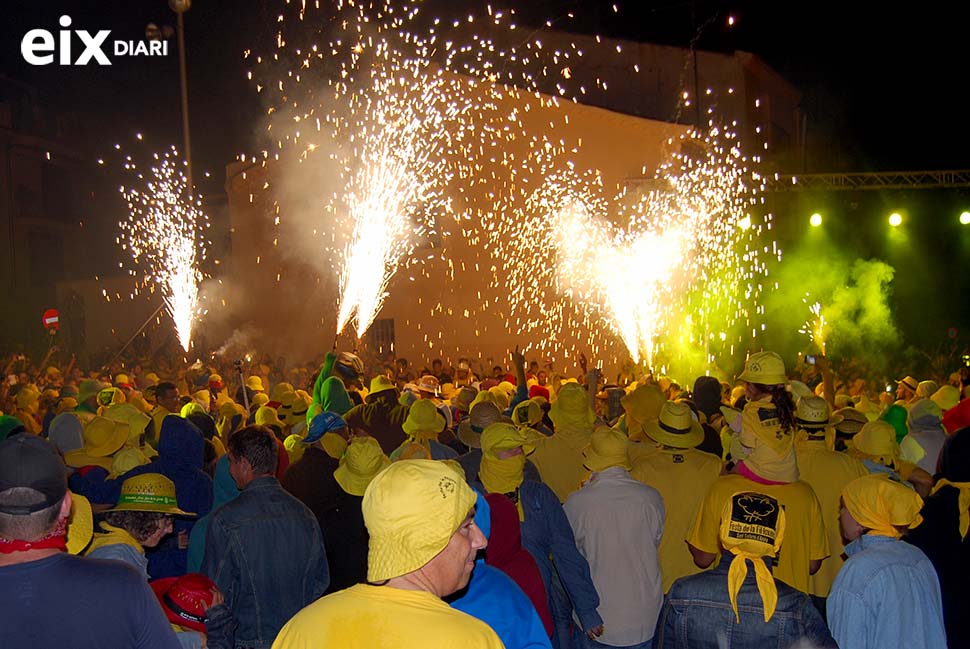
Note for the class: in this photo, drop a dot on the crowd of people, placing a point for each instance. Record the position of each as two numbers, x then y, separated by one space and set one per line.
343 504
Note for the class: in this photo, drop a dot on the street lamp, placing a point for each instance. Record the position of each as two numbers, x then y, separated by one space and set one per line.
180 7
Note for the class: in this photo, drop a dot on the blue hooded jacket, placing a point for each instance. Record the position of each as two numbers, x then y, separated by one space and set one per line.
224 489
180 458
492 597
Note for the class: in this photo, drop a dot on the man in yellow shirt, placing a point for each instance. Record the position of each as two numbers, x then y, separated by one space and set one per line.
682 475
827 471
423 542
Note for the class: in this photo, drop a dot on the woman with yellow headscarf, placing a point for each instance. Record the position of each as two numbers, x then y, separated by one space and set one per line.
546 533
887 593
944 536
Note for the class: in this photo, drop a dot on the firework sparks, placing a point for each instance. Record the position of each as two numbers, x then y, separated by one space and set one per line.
409 111
815 327
664 282
164 233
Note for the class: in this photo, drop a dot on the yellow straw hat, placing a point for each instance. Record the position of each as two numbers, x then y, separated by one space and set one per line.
676 426
411 510
363 460
149 492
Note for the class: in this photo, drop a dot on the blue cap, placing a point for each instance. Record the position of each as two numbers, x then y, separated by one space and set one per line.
325 422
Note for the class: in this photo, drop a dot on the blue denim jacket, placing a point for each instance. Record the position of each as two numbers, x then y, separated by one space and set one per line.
886 595
265 552
697 614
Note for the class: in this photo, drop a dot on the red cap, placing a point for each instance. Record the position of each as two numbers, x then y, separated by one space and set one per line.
185 599
539 391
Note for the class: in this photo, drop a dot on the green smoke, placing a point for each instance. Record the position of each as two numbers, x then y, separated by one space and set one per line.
854 295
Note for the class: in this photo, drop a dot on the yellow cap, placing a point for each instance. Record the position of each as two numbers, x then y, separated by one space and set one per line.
363 460
412 509
255 383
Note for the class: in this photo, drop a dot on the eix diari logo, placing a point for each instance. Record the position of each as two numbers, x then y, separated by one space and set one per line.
38 46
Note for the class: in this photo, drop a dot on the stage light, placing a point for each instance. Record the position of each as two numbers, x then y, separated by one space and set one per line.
815 220
965 218
895 219
745 223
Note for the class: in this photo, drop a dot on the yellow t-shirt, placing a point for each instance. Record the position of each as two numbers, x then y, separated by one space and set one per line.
827 472
380 617
804 530
559 460
683 478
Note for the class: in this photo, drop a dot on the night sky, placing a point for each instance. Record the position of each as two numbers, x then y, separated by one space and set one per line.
889 86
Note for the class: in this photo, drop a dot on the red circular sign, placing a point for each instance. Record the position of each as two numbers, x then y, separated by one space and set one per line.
51 320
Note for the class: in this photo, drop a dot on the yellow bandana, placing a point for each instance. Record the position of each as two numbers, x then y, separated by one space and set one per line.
963 503
752 527
501 476
113 536
880 504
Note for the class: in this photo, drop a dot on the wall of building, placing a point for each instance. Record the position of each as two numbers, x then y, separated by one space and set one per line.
448 306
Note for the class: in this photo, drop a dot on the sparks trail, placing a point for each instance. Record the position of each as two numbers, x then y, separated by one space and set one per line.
165 233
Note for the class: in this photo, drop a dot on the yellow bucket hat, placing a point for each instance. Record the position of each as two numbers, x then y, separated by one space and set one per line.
281 388
255 383
607 448
423 417
267 416
381 383
675 427
752 527
527 413
411 510
765 368
363 460
876 440
572 408
110 397
259 399
880 504
149 492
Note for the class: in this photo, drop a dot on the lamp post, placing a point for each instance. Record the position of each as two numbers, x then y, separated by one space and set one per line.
180 7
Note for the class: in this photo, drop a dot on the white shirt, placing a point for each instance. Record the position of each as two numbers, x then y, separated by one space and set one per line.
618 522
